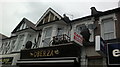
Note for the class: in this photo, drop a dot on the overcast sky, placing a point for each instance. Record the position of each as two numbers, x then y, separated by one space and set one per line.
13 11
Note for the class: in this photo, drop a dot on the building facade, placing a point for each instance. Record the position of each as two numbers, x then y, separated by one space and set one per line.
58 41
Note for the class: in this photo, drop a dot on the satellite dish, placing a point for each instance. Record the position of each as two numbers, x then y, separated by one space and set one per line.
28 45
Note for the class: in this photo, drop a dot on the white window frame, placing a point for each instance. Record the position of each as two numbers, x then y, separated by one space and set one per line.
86 23
101 26
44 33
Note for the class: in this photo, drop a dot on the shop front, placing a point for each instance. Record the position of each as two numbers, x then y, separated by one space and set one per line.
54 56
9 60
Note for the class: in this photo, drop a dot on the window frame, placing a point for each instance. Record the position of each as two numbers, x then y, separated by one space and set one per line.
112 16
91 31
44 35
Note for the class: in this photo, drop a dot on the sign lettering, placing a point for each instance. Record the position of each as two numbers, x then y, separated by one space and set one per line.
70 50
6 60
77 38
116 52
44 53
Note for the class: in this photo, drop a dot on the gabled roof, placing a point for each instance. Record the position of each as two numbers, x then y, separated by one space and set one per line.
24 24
48 12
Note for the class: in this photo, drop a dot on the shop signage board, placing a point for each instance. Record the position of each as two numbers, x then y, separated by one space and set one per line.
100 46
48 52
6 60
113 53
77 38
9 59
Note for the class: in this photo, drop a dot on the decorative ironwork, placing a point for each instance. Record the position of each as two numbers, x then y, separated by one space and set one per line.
60 39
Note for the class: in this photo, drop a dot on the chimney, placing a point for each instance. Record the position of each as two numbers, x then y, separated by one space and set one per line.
93 11
66 18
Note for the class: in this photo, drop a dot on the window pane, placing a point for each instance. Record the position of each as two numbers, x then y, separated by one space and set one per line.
13 45
109 35
48 32
108 28
46 42
47 38
60 31
20 42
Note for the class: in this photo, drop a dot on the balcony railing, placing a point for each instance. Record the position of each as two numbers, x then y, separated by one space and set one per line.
60 39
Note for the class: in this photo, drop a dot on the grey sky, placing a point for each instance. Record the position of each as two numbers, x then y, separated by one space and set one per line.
12 11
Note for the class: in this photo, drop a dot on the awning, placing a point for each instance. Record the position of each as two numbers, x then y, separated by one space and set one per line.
49 61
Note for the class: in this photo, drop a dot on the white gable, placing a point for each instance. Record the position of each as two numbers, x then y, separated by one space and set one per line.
22 26
49 15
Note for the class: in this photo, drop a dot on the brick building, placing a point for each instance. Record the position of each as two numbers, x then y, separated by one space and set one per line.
58 41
